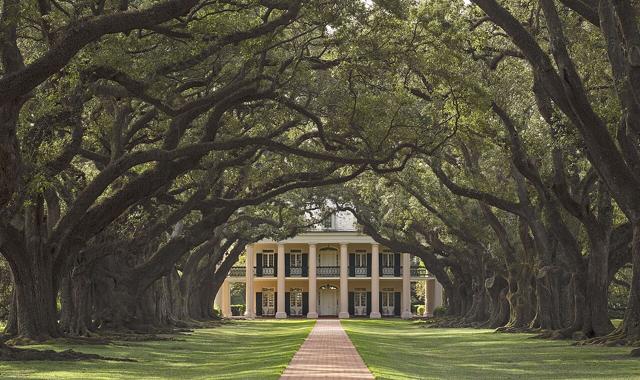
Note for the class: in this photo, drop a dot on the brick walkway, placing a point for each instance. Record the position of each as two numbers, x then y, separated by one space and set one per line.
327 353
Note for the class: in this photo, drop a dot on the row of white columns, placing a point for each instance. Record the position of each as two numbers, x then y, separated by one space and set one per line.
312 278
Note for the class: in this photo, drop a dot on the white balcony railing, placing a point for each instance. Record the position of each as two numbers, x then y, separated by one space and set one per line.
295 272
361 271
328 271
268 271
388 271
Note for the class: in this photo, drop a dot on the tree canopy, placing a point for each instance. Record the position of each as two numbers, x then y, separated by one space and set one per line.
143 144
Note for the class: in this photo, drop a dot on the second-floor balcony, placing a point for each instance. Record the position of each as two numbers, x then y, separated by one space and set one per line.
324 271
330 271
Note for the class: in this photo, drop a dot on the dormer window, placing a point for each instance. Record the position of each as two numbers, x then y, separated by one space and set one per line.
329 222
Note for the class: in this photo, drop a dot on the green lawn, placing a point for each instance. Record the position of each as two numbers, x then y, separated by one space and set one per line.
393 349
237 350
396 349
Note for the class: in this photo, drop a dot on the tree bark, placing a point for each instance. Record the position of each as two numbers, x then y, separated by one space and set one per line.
630 327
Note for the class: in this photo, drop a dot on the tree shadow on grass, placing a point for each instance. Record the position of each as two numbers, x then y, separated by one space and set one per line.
402 350
241 349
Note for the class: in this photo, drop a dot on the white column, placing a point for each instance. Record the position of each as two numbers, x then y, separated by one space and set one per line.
431 293
313 291
225 299
344 281
438 294
375 281
426 298
406 287
217 302
250 311
280 312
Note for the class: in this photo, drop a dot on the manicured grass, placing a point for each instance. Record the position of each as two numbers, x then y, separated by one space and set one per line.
236 350
396 349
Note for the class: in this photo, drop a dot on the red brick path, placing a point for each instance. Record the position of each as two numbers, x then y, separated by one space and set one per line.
327 353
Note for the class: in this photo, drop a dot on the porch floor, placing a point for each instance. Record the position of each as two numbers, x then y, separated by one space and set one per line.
327 353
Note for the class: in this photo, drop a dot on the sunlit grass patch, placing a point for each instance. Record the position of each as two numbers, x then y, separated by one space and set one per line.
238 350
396 349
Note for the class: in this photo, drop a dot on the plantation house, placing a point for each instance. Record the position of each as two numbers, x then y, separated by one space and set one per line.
330 270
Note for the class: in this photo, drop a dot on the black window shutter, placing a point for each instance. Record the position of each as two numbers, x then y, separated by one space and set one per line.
258 265
368 303
287 303
351 305
368 265
380 302
287 265
380 265
352 264
305 303
259 303
275 264
396 303
305 265
396 269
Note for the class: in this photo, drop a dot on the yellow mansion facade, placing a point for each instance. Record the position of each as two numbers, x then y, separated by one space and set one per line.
332 270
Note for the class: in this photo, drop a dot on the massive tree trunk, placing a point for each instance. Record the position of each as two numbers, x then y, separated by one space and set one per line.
31 265
597 321
630 327
35 296
497 288
76 300
519 280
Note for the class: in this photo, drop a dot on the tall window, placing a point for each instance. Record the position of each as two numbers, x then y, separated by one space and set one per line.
361 258
295 258
268 301
387 260
388 301
268 259
360 301
295 301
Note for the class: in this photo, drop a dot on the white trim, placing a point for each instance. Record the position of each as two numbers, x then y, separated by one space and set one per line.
348 237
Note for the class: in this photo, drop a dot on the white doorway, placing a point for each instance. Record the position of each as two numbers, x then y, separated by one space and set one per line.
360 303
295 302
328 300
388 303
268 302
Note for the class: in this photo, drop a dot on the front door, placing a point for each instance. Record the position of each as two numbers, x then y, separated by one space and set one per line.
388 303
360 303
328 302
295 302
268 302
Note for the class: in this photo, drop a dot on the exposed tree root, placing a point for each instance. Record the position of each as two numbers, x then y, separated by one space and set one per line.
616 338
517 330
